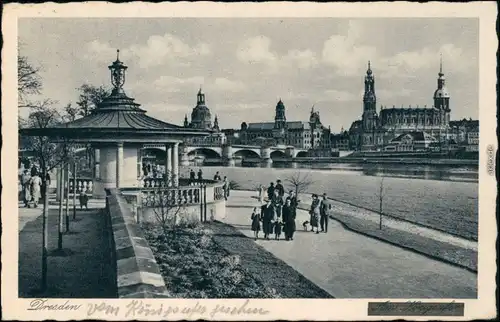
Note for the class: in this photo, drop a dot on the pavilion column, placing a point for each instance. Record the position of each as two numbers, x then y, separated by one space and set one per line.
168 163
119 163
175 164
97 160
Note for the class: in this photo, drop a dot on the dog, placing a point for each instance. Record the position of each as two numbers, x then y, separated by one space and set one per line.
304 224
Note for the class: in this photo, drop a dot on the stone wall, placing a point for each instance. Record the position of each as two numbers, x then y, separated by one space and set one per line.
137 273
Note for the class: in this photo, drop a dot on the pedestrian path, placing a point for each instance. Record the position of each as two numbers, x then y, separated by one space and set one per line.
350 265
85 269
250 198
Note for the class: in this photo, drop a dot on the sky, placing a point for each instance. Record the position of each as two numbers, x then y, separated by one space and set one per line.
245 65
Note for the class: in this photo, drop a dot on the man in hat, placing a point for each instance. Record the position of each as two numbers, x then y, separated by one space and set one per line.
324 214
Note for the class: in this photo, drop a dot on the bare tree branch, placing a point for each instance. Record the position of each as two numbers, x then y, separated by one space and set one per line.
167 204
29 81
300 182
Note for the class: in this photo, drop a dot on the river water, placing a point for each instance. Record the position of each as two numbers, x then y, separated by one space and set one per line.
444 197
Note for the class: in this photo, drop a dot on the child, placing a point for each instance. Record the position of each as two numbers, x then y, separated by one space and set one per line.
256 218
277 230
83 198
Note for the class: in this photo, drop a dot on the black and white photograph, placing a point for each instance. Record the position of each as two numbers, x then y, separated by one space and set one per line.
239 157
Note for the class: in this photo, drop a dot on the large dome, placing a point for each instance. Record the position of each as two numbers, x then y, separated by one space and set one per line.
201 113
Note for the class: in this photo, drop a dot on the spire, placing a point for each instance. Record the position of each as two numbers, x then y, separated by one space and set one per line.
441 65
118 54
200 97
369 71
216 123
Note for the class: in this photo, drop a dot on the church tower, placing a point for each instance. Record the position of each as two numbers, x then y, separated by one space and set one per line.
280 118
369 102
441 95
442 98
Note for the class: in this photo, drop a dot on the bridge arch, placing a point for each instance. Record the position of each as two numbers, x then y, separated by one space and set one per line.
206 152
246 153
277 154
301 154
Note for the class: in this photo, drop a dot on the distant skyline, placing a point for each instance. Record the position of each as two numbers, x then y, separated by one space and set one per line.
245 65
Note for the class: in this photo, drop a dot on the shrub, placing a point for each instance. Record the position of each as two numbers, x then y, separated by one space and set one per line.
189 220
234 185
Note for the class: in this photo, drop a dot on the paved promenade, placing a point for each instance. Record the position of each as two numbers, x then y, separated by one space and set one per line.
349 265
85 271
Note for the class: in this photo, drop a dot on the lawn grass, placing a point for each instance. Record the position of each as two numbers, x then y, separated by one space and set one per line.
214 260
455 255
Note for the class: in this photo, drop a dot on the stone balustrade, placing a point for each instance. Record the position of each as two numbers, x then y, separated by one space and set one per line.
218 193
205 197
151 197
82 184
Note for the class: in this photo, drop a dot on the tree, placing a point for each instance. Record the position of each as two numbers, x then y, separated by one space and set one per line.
49 155
29 81
381 195
300 182
167 203
90 97
71 112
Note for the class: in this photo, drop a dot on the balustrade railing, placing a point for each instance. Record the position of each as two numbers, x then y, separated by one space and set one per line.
219 193
169 197
154 192
82 185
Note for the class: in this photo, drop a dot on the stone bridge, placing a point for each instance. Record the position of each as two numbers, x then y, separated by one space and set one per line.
230 152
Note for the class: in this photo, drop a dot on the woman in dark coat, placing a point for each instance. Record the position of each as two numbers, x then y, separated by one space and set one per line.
277 202
256 218
314 212
288 219
267 219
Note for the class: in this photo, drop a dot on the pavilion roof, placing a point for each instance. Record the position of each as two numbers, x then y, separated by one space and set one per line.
117 116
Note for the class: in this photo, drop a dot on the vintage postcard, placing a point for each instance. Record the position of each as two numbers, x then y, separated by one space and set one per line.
249 161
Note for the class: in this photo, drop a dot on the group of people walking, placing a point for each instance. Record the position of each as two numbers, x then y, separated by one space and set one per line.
277 215
30 184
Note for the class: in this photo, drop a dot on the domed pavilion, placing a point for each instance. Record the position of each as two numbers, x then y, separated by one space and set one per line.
117 130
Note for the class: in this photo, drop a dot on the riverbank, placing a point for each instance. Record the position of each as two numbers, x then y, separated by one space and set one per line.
391 160
448 206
